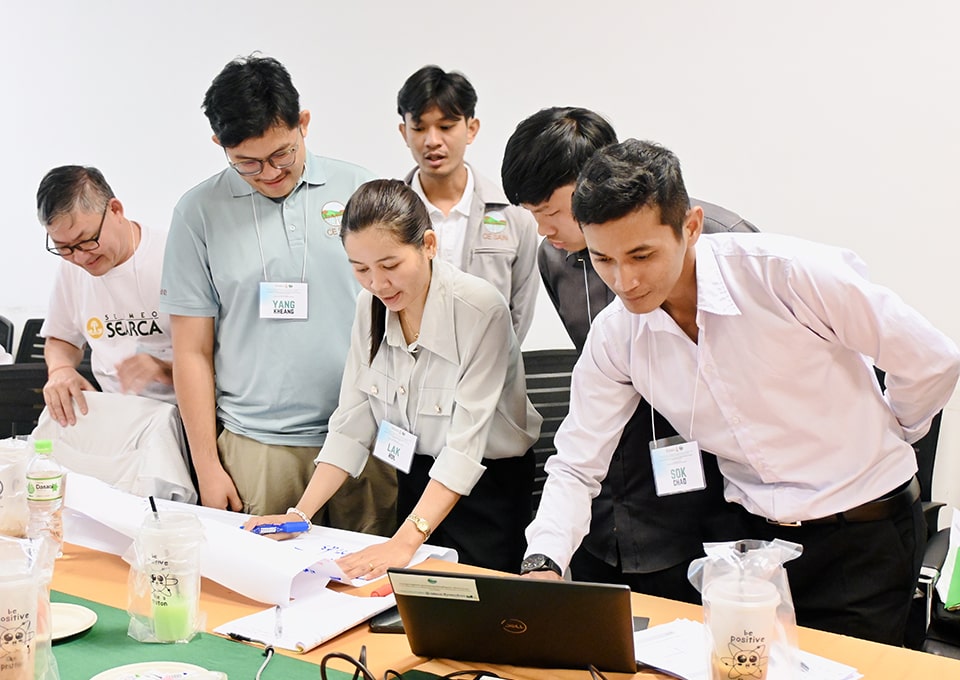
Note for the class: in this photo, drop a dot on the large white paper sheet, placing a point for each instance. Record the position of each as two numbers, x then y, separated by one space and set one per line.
100 517
308 621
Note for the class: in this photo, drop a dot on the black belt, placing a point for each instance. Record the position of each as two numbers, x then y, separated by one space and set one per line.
885 507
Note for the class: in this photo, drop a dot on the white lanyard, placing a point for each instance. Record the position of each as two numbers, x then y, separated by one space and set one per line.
696 385
586 290
677 464
423 382
306 235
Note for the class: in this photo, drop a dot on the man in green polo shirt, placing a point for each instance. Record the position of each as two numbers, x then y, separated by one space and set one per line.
261 298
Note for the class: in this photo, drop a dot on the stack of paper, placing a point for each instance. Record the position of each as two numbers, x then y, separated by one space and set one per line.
667 648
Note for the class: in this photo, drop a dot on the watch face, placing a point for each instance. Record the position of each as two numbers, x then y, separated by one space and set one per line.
533 563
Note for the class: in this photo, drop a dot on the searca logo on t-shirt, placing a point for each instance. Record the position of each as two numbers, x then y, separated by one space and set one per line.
129 325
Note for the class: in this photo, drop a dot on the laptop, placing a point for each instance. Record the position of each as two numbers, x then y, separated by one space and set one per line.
516 621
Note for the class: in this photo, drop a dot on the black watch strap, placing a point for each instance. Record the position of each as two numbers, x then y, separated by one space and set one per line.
539 562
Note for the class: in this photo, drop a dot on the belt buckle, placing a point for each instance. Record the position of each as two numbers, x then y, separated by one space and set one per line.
784 524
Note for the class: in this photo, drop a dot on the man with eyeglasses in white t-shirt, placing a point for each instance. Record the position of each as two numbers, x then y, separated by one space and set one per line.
106 295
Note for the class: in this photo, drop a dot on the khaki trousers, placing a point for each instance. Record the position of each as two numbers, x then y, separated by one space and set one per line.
271 478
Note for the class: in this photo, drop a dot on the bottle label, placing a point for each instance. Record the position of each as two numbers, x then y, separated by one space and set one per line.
45 488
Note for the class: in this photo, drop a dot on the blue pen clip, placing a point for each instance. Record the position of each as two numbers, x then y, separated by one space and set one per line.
283 528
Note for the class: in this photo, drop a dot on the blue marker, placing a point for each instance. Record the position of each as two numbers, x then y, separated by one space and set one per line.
284 528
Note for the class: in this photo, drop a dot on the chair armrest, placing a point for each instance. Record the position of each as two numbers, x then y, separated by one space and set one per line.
931 513
936 551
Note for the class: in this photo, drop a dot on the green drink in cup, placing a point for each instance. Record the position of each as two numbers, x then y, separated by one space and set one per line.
169 544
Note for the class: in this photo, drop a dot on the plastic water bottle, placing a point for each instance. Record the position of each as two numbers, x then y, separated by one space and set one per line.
45 494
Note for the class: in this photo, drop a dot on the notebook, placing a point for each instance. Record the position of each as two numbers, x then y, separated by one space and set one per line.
516 621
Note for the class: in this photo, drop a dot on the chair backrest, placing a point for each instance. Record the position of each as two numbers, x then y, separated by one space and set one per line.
6 334
21 395
30 349
548 388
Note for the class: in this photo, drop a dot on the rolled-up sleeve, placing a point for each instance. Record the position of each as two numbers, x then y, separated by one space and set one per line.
484 360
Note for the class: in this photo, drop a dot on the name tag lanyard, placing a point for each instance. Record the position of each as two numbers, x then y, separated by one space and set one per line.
677 464
133 264
396 446
295 294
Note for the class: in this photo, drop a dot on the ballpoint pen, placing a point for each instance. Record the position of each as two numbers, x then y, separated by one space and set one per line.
282 528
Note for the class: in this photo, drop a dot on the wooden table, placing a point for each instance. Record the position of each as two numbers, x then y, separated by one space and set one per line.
103 578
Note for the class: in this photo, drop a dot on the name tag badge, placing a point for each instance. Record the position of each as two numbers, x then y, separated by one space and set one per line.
677 466
280 300
395 446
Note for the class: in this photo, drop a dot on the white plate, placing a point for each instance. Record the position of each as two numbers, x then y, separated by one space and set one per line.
150 670
70 619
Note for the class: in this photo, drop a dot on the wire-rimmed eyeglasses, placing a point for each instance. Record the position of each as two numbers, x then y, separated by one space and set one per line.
281 160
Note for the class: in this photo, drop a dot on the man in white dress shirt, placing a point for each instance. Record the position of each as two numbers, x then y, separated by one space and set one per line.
761 349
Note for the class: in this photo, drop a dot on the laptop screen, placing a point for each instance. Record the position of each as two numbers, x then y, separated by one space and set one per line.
514 620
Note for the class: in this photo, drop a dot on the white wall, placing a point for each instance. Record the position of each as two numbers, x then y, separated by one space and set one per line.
833 121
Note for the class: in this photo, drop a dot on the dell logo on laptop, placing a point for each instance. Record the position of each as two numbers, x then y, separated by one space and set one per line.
515 626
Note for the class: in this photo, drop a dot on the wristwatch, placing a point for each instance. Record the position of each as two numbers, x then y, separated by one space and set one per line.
538 562
423 526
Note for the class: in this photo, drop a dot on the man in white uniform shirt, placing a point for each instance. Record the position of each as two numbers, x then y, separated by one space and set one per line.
759 348
106 294
479 232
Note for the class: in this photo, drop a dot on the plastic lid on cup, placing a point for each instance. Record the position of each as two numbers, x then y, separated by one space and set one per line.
43 446
746 591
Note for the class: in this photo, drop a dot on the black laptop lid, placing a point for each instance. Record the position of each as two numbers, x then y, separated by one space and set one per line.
516 621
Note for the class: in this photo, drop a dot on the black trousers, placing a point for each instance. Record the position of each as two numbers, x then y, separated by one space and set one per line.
485 528
853 578
671 582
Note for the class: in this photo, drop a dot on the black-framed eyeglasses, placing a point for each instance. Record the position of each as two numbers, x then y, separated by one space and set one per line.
84 246
254 166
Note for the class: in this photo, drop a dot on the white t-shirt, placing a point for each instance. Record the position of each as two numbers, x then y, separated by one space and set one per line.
117 314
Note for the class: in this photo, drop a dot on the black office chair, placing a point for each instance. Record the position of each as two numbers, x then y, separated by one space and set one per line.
942 633
925 617
6 334
548 388
21 395
30 349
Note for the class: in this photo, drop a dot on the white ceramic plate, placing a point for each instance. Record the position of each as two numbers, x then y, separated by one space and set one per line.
70 619
150 670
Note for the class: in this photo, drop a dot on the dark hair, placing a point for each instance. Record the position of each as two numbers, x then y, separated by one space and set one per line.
622 178
248 97
392 205
431 86
70 187
548 150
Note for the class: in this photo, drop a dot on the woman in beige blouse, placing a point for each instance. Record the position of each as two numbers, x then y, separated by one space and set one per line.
435 368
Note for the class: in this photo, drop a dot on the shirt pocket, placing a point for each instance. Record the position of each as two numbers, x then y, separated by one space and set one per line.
377 386
436 401
434 415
